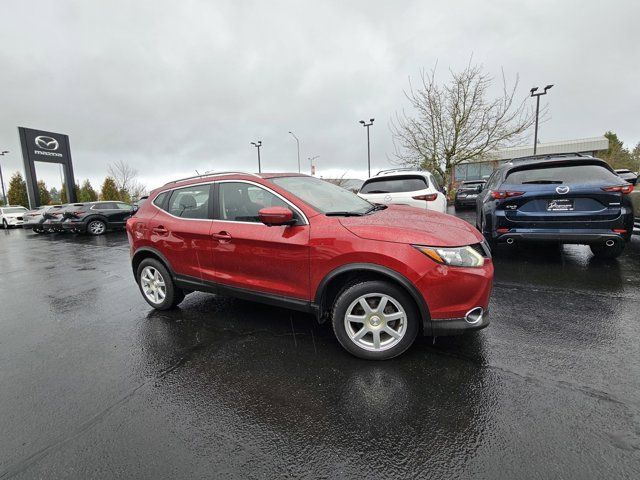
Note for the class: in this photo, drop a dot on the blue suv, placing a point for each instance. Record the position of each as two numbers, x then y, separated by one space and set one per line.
563 199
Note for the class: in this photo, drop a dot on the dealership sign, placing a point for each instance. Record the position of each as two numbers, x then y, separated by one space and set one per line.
41 146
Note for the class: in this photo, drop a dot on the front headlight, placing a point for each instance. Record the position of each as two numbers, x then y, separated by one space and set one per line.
453 256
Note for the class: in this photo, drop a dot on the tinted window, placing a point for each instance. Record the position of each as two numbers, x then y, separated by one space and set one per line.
394 185
323 196
105 206
123 206
159 200
241 202
190 202
562 174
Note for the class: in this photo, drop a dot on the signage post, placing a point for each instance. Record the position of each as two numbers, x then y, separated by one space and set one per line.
41 146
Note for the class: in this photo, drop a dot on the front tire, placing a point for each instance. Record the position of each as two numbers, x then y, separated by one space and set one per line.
5 225
601 250
156 285
375 320
96 227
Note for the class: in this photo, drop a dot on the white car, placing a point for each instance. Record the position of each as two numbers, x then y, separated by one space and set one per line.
11 216
405 187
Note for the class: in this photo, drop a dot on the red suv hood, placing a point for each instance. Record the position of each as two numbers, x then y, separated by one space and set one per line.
403 224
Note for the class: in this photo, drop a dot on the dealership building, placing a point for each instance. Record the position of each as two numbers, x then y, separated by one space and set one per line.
480 170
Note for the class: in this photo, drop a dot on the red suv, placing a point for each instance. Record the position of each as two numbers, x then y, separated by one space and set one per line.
381 274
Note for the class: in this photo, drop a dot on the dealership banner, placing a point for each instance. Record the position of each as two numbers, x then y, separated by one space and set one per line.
50 147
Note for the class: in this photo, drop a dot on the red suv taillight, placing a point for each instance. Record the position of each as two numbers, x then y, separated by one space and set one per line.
499 195
430 197
625 189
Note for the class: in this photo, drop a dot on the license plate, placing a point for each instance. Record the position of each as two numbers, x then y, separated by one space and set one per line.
560 205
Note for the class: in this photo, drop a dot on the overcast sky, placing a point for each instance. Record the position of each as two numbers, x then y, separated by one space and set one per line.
175 86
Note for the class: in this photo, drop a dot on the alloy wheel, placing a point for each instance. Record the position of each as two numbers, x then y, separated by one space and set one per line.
97 227
153 285
375 322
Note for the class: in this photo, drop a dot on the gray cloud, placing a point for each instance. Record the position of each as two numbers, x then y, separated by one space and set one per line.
176 86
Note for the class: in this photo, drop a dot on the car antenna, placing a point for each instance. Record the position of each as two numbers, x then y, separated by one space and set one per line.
197 172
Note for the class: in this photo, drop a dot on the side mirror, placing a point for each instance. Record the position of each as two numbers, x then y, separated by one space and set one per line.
274 216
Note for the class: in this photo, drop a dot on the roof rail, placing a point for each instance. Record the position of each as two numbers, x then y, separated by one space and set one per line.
550 155
403 169
210 173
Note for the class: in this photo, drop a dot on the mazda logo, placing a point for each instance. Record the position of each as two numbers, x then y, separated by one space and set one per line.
387 198
47 143
562 189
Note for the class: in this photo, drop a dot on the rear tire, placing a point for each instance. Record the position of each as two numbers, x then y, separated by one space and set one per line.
370 329
600 250
96 227
156 285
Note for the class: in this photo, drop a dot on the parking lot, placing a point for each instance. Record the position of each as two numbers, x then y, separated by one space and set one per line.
96 384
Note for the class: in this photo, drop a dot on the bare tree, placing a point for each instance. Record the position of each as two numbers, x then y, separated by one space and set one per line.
125 177
457 122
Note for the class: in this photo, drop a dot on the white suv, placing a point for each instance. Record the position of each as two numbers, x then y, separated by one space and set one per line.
11 216
405 187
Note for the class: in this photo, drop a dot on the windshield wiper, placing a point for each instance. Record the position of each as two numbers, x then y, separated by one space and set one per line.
375 207
344 214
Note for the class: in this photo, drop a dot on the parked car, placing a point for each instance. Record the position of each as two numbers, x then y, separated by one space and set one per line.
405 187
12 216
635 202
95 218
564 199
381 274
467 193
53 219
628 175
34 219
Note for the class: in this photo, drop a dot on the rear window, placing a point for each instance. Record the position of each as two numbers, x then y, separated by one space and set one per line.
562 174
394 185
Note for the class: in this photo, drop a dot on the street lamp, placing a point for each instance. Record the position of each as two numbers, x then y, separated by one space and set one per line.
4 195
258 145
365 124
311 159
298 143
538 95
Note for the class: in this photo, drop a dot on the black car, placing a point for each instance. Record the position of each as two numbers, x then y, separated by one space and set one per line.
467 193
570 199
95 218
628 175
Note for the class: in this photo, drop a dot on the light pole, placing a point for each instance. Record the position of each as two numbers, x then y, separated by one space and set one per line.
4 195
258 145
365 124
311 159
537 95
298 143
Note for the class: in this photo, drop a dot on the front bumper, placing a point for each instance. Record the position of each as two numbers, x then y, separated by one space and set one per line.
456 326
14 222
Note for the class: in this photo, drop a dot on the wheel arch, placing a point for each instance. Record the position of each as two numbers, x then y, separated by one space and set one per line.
147 252
335 281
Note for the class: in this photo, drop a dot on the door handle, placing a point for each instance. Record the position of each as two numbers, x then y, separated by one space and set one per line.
160 230
222 236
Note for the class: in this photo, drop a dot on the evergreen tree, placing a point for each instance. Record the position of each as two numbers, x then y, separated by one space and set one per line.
17 194
55 195
617 155
109 191
45 198
63 193
87 193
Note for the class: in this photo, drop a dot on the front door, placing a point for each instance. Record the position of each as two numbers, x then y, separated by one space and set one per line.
250 255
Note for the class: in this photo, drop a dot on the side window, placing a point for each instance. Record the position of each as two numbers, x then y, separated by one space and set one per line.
241 202
123 206
105 206
159 200
493 180
190 202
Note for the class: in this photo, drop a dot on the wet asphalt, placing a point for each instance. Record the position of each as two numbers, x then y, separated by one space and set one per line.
95 384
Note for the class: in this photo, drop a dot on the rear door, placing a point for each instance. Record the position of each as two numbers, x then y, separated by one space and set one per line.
181 230
250 255
562 196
